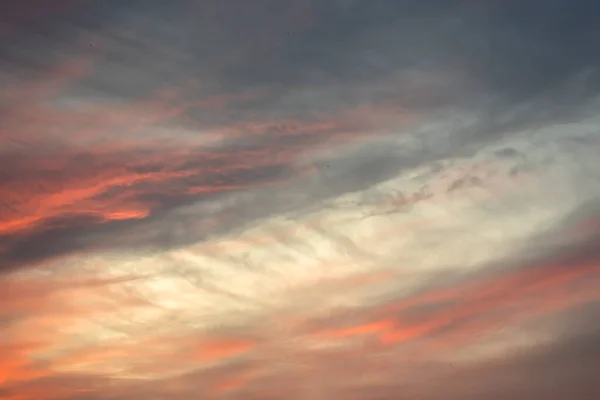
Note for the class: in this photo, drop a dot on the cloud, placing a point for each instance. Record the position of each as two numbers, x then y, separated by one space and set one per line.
303 199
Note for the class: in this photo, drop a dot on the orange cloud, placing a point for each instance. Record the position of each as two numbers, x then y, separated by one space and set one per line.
376 327
107 184
41 314
96 161
230 384
476 307
47 389
16 365
219 349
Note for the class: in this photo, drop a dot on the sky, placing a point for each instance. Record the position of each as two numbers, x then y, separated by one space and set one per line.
299 199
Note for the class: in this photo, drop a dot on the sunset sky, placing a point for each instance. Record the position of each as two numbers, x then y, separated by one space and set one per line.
299 199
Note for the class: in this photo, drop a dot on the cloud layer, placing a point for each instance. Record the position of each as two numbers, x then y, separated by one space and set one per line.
299 199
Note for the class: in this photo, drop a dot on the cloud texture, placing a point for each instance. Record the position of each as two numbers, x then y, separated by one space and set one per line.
299 199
